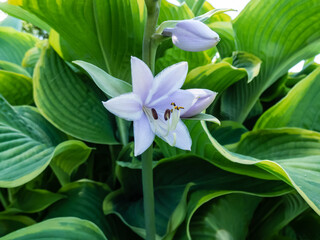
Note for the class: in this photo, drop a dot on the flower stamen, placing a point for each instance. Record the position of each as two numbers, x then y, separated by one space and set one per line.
154 113
167 114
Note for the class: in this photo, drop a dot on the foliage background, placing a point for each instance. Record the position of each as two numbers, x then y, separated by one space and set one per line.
67 169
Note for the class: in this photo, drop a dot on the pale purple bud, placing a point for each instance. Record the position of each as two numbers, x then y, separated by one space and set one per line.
192 36
203 99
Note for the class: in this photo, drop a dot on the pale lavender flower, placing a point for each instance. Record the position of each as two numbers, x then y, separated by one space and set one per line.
203 99
157 103
192 36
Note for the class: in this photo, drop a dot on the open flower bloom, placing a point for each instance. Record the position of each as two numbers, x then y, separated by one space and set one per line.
157 103
192 35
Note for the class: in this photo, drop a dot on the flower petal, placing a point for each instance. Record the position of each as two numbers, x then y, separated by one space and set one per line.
194 36
203 99
143 135
127 106
180 137
142 78
182 98
167 82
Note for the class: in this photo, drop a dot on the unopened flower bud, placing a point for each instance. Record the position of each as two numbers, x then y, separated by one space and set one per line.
203 98
192 36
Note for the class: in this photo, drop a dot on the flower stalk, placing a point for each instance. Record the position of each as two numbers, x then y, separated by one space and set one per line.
148 194
149 49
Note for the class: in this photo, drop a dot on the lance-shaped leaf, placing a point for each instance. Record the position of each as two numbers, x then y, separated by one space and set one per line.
70 102
27 143
108 32
275 31
109 85
68 228
300 108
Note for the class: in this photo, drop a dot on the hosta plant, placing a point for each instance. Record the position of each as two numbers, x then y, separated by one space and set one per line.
147 119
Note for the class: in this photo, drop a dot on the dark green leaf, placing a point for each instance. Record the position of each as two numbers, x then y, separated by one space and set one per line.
67 228
70 102
104 33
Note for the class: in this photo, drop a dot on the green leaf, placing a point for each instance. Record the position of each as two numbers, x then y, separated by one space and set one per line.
14 44
174 55
228 132
171 14
110 32
300 108
204 145
204 17
221 24
226 217
68 228
31 57
170 11
18 12
82 195
27 143
12 67
296 158
70 102
16 88
275 144
274 214
109 85
274 31
12 223
226 45
214 76
268 152
68 157
247 61
32 201
251 64
204 117
172 180
306 226
86 194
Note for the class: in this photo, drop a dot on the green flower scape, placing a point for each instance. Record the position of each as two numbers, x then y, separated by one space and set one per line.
147 119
